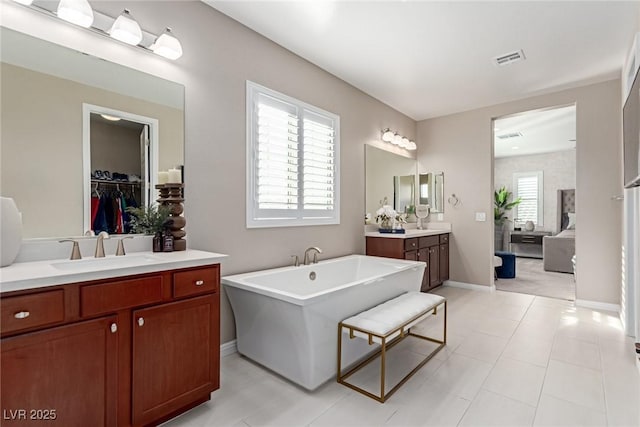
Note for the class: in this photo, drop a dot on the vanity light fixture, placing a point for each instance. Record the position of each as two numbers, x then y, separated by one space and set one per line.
167 45
126 29
387 135
123 28
396 139
77 12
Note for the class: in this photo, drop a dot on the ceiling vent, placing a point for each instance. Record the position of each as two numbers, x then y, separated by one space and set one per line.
509 58
509 135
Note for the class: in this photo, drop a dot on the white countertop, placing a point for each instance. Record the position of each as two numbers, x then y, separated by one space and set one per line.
410 231
37 274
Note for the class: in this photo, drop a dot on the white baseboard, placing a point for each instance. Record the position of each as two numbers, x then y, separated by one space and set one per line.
471 286
228 348
598 305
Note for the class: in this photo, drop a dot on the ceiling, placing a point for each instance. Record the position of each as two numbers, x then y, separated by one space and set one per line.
428 59
535 132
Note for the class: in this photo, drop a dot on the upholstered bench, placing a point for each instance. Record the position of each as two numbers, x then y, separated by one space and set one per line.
508 268
387 324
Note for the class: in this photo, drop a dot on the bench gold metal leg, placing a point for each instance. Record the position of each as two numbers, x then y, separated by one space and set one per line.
382 352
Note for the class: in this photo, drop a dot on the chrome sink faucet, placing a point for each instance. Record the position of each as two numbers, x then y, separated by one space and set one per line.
100 244
316 251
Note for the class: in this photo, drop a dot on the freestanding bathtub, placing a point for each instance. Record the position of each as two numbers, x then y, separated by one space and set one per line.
287 318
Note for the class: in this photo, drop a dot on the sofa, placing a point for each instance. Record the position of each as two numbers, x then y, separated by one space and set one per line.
558 250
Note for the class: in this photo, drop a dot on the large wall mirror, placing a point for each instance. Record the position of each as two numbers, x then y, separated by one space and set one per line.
76 128
389 177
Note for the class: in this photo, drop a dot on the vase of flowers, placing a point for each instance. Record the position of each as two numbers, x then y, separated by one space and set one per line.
385 216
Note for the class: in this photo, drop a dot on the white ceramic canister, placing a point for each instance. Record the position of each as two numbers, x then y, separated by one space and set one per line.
10 231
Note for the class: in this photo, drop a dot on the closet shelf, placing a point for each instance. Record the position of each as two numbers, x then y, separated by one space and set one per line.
105 181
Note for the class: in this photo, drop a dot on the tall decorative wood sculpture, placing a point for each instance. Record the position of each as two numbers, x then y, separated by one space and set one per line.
171 196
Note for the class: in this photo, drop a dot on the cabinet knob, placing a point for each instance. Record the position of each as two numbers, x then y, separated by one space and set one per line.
114 328
140 321
199 282
21 315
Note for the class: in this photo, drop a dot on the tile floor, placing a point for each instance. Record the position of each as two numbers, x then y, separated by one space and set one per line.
511 360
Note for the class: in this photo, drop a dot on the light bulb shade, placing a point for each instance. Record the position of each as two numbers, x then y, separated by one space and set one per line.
405 142
167 45
24 2
126 29
397 139
77 12
387 135
412 145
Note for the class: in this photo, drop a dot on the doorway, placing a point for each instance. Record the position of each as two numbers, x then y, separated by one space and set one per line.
120 153
534 184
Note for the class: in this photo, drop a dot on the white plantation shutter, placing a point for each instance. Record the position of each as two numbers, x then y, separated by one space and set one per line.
528 187
319 169
277 152
292 161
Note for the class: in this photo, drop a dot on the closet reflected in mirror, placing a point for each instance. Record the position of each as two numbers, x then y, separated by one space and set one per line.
45 166
122 151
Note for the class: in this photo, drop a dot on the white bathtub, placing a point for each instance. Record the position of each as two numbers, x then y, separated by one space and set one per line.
289 323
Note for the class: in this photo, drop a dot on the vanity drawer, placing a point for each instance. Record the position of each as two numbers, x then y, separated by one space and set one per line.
194 282
114 296
30 311
444 238
427 241
410 244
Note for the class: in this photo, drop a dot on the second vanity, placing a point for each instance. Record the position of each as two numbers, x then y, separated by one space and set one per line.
430 246
109 342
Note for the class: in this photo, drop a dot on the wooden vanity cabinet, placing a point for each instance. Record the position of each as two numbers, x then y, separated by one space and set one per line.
432 250
62 376
133 350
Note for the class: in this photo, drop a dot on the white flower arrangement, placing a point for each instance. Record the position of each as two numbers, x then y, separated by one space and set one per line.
386 214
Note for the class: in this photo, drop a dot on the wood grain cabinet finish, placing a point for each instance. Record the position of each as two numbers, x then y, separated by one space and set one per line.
128 351
432 250
31 311
62 376
176 350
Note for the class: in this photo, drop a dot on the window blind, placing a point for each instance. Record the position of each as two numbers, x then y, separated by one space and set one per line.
293 165
527 190
318 153
277 155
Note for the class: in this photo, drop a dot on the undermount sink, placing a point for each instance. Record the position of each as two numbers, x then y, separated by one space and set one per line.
106 262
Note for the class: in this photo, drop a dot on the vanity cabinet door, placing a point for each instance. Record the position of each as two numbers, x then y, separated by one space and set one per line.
444 262
63 376
176 356
434 263
423 255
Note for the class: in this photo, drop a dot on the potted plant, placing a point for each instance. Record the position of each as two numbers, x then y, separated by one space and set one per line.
501 206
148 219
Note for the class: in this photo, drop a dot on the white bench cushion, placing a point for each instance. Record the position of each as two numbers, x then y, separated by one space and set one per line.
390 315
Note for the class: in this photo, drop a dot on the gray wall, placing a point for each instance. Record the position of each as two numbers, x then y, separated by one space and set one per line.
219 56
559 173
462 146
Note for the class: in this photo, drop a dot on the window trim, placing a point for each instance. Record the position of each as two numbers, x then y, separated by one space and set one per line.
540 177
253 220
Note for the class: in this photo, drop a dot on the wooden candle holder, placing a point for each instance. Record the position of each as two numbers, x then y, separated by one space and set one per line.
171 196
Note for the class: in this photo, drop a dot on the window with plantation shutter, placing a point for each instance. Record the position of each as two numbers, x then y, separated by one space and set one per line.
292 161
528 187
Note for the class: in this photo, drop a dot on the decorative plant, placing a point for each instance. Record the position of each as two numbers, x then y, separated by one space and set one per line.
149 219
386 214
502 205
